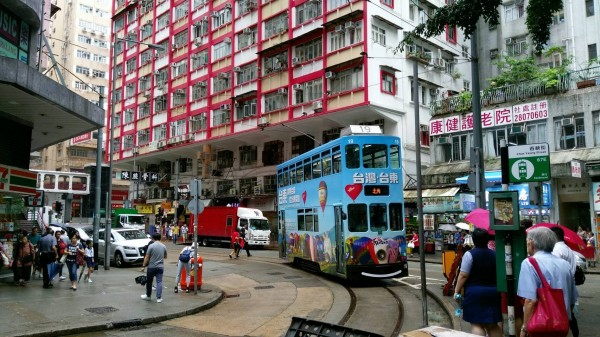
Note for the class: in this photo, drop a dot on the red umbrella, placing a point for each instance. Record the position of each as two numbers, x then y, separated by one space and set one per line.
480 218
574 241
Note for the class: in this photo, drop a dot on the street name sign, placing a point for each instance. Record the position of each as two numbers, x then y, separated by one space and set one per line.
529 163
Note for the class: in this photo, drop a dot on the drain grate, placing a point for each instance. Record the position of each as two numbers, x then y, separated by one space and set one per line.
275 273
264 287
292 277
101 310
232 295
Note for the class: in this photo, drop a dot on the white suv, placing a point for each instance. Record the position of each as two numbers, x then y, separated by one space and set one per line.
127 246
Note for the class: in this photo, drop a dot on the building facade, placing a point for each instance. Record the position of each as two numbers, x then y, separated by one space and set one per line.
240 86
564 116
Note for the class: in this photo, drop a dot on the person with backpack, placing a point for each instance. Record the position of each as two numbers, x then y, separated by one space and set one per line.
185 258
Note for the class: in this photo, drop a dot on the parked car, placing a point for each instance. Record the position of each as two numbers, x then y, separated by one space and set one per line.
127 246
580 261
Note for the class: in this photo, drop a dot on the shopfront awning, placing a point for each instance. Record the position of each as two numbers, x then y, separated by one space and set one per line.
490 177
432 193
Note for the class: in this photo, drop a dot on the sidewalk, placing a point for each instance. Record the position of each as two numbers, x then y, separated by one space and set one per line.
112 301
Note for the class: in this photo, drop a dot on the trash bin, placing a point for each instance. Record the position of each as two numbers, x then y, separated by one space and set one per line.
429 248
193 273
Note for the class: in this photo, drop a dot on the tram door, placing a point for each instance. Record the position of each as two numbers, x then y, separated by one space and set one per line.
281 236
339 238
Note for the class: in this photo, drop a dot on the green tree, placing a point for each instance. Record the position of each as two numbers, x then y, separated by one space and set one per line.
465 14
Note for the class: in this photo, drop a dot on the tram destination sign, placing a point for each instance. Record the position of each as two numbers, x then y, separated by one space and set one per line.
529 163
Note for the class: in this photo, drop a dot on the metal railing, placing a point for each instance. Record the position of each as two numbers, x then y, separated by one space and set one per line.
513 92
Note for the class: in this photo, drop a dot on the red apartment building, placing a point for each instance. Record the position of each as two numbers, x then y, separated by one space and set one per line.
242 85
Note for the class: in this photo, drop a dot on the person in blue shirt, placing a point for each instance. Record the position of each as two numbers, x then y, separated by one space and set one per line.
540 243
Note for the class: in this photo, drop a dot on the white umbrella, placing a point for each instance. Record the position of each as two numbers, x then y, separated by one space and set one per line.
447 227
463 225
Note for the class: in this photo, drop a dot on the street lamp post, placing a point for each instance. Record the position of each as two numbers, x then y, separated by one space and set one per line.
111 140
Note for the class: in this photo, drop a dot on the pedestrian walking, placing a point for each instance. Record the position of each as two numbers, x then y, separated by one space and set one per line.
564 252
34 237
236 244
24 260
73 248
61 246
184 233
48 254
155 261
89 261
175 233
184 262
244 233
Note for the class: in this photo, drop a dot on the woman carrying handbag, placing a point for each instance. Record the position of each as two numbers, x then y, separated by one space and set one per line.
24 260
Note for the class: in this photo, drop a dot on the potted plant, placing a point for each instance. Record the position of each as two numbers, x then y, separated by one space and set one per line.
585 76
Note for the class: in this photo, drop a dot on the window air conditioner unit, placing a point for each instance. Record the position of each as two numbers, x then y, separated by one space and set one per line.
256 189
441 63
517 129
566 121
202 84
228 6
84 29
225 107
282 91
317 105
215 14
227 40
224 75
282 30
135 150
508 40
181 91
444 140
119 73
295 60
237 69
175 46
147 93
298 86
434 92
161 143
174 65
148 22
157 72
163 126
329 74
197 23
93 32
247 31
198 41
339 28
349 25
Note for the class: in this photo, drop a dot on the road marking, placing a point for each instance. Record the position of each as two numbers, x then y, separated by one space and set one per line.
430 281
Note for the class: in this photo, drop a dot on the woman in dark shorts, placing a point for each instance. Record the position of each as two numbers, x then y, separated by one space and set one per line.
481 300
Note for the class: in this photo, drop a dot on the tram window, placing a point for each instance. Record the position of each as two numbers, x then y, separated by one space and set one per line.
378 217
375 156
396 218
316 168
308 220
280 180
394 156
299 174
357 218
337 163
352 156
301 224
307 171
292 175
316 220
286 178
326 165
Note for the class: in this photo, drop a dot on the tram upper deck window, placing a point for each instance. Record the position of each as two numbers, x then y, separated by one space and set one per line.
375 156
299 173
352 156
286 177
326 163
378 217
337 162
394 156
357 218
396 217
316 167
307 168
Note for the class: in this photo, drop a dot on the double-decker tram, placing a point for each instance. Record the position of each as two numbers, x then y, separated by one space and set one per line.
340 206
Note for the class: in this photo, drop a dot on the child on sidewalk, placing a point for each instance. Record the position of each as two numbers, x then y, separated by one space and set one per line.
89 259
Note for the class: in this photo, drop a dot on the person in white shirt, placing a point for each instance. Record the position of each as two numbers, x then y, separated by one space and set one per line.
184 261
564 252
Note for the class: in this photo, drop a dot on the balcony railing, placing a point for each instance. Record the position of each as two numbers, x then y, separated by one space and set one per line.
514 92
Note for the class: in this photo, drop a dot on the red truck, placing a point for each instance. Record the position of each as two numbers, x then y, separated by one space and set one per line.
216 223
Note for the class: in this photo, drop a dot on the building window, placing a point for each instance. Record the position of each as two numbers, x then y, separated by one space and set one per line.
388 83
411 11
302 144
200 28
161 76
129 90
221 17
160 132
128 116
180 11
569 132
389 3
177 128
453 148
451 34
273 152
131 65
516 46
160 103
199 59
181 39
199 90
340 38
514 12
247 73
82 70
247 37
558 18
347 80
146 31
224 159
84 39
309 50
143 137
424 135
221 82
596 117
275 63
275 101
116 120
179 68
220 117
248 155
143 110
84 54
592 52
276 25
179 97
247 6
245 109
198 122
308 11
589 7
144 83
128 142
378 35
162 21
119 23
332 4
310 91
221 50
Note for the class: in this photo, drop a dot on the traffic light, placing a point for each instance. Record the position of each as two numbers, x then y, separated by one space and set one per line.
58 207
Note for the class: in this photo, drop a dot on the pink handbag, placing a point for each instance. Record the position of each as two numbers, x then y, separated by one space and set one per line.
549 317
